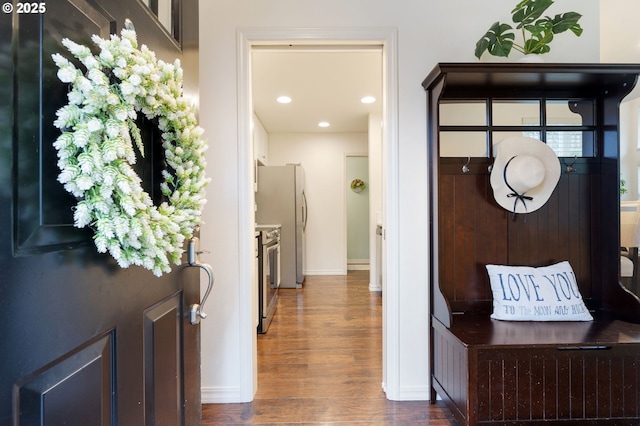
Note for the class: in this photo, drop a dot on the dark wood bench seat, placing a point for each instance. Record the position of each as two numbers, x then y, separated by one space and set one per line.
509 373
480 330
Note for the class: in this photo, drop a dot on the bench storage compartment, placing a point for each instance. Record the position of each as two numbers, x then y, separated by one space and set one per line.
538 372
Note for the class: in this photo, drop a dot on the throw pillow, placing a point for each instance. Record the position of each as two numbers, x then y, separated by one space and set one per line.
525 293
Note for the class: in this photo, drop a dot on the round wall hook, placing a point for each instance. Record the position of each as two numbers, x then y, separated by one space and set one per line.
128 24
569 167
465 168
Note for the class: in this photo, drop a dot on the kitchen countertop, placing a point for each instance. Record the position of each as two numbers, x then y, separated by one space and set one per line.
260 227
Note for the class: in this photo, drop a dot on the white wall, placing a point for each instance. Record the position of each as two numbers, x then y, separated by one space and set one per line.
629 110
620 43
620 37
428 32
322 157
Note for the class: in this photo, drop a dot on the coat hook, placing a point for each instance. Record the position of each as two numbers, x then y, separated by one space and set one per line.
129 25
465 168
569 167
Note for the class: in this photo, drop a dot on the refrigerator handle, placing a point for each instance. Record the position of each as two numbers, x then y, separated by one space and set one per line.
304 211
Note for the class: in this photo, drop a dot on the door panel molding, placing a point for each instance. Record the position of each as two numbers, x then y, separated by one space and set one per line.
43 210
174 31
163 362
87 373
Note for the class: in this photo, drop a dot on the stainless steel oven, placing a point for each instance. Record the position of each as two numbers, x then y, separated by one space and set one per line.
269 272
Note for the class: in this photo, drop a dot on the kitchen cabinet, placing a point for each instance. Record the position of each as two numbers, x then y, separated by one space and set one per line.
260 142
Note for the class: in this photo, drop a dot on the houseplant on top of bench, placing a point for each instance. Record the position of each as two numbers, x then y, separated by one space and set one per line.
537 31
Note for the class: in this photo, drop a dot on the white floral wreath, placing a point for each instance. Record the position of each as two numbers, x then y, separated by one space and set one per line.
96 154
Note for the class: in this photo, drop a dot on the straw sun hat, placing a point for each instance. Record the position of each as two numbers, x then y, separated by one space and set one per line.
524 174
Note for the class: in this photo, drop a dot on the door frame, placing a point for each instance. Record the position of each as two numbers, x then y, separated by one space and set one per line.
388 39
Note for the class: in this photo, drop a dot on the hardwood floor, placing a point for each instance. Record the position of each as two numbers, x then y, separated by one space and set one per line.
321 363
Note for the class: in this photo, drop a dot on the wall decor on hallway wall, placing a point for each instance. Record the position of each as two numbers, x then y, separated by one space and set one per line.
358 185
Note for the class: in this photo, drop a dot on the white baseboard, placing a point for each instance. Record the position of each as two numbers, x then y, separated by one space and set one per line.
414 393
357 267
220 395
326 272
357 264
374 287
214 395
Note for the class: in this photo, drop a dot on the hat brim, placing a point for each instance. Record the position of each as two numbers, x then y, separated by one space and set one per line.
519 145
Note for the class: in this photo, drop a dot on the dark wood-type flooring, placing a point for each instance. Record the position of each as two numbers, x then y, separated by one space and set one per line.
321 363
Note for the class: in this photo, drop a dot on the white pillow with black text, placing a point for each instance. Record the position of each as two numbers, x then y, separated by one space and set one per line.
525 293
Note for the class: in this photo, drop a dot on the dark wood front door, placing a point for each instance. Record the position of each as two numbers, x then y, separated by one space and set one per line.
83 342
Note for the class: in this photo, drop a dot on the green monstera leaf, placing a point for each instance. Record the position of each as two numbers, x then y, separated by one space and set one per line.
497 40
567 21
527 11
537 30
541 35
538 44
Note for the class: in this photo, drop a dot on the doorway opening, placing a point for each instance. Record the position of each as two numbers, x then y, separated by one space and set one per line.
358 214
386 39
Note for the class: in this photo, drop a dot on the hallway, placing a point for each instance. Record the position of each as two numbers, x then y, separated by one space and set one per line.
321 362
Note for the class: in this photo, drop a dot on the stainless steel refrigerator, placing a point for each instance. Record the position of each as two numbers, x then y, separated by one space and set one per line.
281 199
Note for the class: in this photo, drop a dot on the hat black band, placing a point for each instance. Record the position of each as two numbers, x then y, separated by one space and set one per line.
514 193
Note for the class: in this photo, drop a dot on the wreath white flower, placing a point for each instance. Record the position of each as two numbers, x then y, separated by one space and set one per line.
96 154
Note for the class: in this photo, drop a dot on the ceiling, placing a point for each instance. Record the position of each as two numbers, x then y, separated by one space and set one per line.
325 84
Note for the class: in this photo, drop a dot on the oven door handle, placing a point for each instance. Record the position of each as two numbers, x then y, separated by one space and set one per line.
196 310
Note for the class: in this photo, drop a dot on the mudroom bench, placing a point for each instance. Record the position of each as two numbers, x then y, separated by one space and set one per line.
497 372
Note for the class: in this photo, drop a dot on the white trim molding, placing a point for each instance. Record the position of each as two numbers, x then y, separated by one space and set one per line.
220 395
356 37
415 393
358 265
246 231
327 272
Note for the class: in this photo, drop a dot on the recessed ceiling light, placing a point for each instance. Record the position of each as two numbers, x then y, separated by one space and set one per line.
323 124
283 99
368 100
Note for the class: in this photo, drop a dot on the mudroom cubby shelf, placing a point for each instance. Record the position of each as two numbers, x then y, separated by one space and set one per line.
493 372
